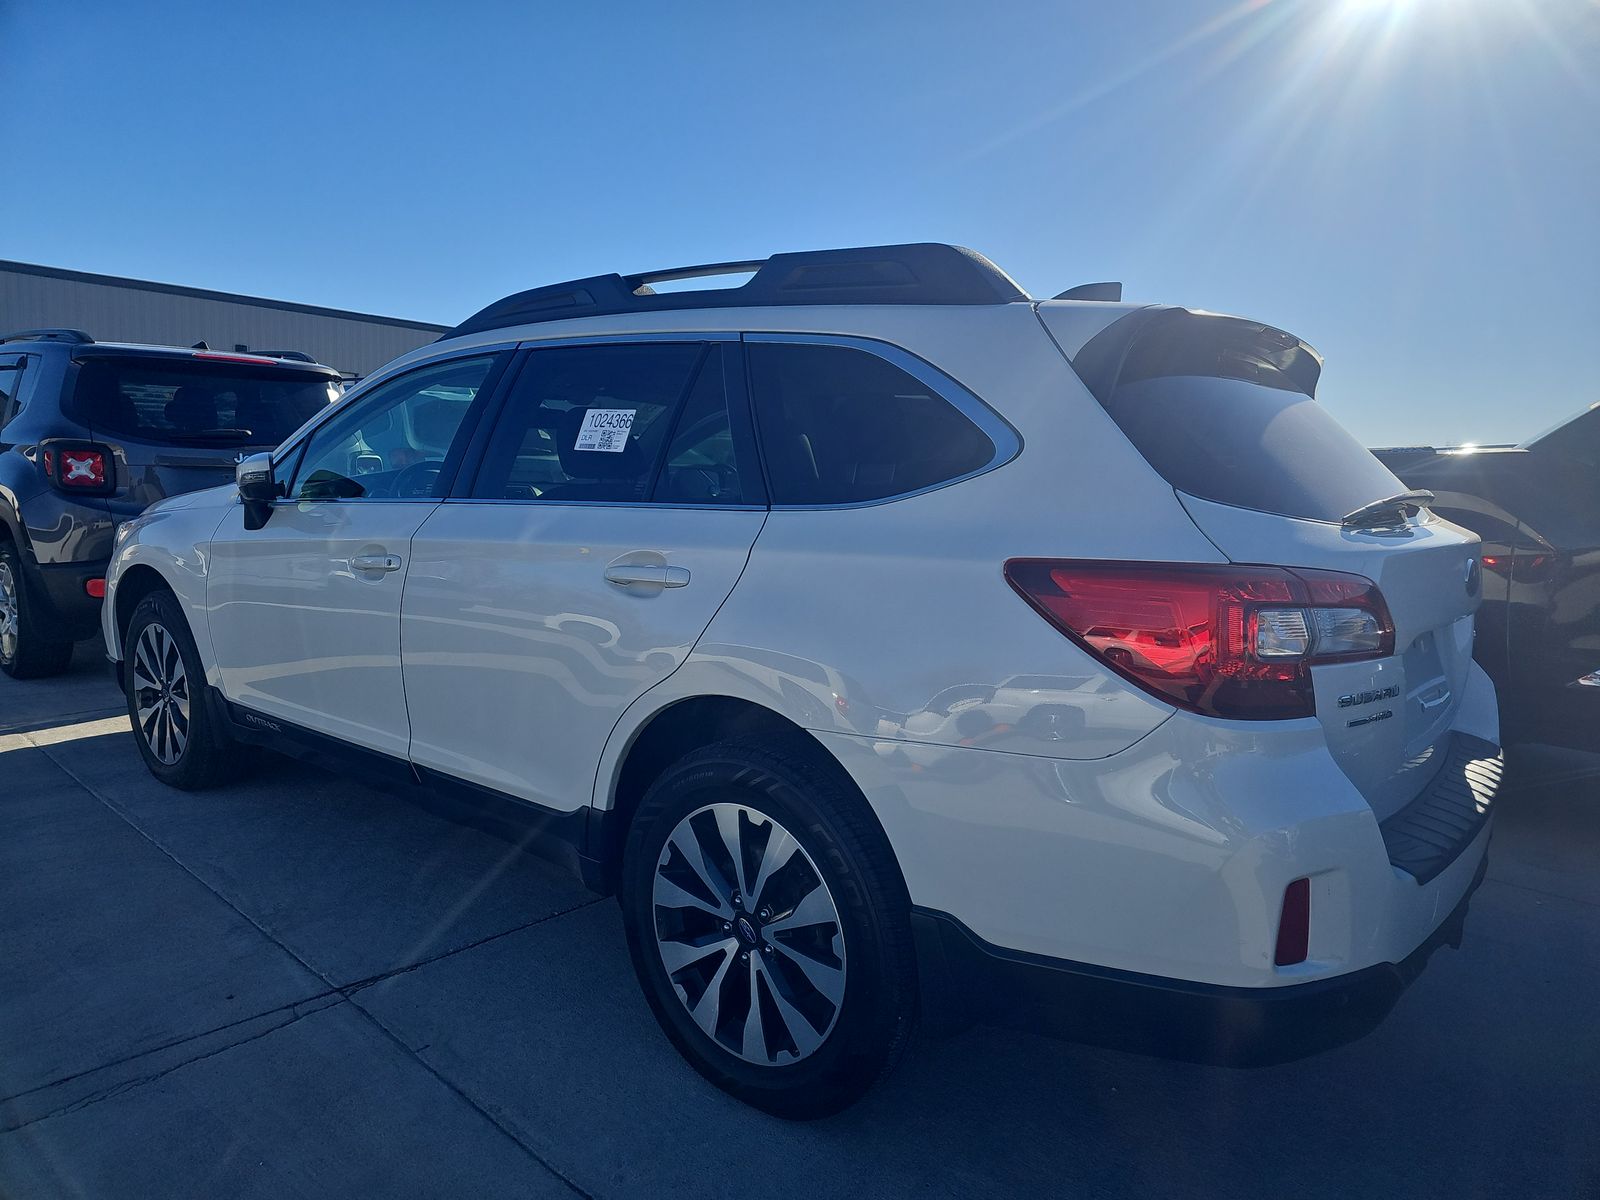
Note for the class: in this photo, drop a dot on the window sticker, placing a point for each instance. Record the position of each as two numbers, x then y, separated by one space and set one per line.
605 429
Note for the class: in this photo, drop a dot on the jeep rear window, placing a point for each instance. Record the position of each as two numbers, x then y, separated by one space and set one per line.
1223 409
196 402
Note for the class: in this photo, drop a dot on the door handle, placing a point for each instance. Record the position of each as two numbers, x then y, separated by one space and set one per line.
375 562
647 575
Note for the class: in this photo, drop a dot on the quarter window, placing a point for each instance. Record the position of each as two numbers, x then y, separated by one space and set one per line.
590 423
392 443
10 378
840 425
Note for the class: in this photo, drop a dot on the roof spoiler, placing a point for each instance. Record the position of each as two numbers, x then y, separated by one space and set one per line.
76 337
1093 291
917 273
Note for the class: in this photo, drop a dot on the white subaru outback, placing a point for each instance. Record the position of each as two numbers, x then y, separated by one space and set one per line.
897 647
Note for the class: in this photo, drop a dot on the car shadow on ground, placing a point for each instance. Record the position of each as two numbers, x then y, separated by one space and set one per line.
345 993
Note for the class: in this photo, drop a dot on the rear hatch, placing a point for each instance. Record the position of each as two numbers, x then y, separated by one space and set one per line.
177 423
1224 410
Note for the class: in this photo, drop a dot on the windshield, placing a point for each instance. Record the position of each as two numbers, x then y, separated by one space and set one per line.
1223 409
197 402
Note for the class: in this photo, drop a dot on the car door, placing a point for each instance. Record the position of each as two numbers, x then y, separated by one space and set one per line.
305 611
615 507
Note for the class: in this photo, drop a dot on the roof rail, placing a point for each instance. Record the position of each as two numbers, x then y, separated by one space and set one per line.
917 273
295 355
76 336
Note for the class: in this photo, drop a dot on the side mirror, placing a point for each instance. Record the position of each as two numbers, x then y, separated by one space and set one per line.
257 488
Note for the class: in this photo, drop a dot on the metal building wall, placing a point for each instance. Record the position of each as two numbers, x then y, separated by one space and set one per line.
112 309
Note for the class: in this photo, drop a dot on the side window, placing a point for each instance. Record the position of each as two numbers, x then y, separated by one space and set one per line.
840 425
392 442
10 381
589 422
702 463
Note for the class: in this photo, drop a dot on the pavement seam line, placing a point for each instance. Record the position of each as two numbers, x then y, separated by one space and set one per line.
469 1101
139 1081
266 933
173 1044
1491 877
347 990
359 985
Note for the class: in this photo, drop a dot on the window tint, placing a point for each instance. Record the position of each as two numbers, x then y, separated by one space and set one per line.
842 426
10 378
1577 439
1223 410
183 402
392 442
588 422
701 465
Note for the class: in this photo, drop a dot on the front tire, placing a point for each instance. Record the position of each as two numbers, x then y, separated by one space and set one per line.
769 927
29 649
179 735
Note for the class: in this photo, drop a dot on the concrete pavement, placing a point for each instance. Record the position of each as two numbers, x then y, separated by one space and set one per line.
299 986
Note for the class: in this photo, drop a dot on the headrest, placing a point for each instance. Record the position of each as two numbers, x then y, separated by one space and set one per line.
192 408
436 420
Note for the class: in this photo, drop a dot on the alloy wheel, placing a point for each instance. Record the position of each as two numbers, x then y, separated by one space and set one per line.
161 694
749 934
10 613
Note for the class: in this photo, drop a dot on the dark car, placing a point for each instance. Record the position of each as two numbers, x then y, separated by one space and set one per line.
1537 508
90 434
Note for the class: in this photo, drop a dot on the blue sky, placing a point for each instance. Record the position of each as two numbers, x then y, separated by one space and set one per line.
1410 185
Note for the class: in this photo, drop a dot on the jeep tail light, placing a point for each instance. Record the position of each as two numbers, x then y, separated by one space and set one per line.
1294 924
79 467
1226 641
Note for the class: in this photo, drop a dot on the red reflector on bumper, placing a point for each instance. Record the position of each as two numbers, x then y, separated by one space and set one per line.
95 588
1294 926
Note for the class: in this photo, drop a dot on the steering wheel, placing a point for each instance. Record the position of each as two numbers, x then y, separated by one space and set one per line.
417 480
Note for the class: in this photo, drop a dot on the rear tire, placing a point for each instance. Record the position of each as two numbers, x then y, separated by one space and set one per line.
178 732
29 648
797 999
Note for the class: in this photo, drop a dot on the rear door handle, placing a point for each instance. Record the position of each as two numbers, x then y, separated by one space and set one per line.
647 575
375 562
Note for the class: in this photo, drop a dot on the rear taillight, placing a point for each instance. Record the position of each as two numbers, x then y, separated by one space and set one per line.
79 467
1227 641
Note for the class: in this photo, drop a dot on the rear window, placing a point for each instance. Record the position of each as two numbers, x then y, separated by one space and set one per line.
198 403
1223 409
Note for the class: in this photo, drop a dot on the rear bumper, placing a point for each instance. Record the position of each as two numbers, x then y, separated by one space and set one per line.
61 585
968 979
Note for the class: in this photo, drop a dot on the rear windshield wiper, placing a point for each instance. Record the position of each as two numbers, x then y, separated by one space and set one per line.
208 435
1389 511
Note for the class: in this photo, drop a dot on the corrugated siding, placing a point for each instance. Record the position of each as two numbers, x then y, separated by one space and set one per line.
126 314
